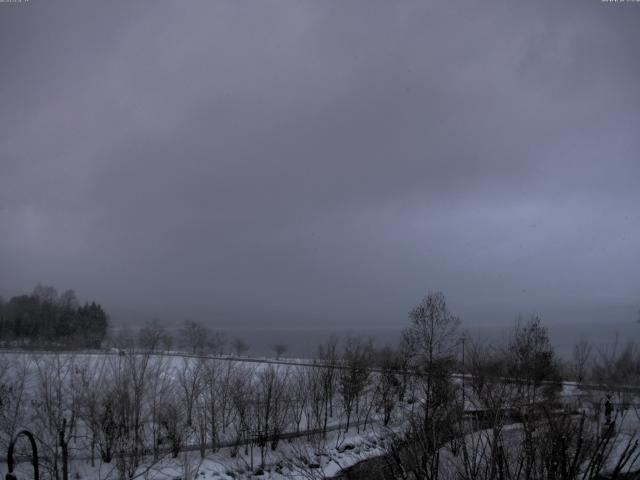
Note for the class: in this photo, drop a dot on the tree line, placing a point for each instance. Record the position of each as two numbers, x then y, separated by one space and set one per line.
46 318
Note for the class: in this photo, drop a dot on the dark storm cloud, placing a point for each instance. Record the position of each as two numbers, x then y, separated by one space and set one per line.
321 161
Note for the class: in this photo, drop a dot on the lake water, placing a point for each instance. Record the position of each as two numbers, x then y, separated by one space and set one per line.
304 342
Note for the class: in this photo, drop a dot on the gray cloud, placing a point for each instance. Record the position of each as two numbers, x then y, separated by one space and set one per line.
309 162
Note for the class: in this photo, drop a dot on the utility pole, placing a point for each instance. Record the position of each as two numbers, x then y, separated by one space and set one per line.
463 374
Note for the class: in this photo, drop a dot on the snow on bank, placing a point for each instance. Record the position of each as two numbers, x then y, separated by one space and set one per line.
296 459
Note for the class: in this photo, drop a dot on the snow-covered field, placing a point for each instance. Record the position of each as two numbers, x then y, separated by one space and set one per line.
182 400
189 417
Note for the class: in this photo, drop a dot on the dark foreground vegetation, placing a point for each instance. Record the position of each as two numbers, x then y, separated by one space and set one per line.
438 406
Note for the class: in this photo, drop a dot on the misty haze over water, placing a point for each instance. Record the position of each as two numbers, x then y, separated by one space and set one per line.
303 343
602 325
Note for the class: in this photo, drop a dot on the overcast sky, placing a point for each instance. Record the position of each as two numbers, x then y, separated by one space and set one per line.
322 163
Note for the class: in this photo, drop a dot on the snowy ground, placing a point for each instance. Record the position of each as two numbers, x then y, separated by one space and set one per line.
293 457
298 459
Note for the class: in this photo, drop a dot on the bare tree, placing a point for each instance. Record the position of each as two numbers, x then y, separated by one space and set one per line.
533 364
107 424
327 379
546 445
57 402
387 384
493 398
269 408
215 393
172 424
68 299
353 378
45 293
160 386
431 341
195 336
14 378
239 346
130 376
227 382
581 360
243 400
190 466
123 338
617 370
201 424
153 336
217 342
317 405
298 387
92 396
280 349
190 383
